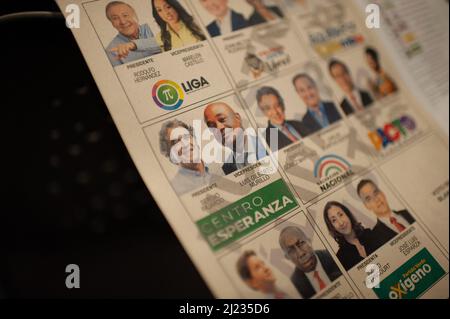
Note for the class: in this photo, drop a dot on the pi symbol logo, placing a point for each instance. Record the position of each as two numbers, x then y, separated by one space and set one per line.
168 95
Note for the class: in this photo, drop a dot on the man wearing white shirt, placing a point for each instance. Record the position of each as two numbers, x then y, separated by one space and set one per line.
177 142
355 99
226 125
375 201
226 20
314 269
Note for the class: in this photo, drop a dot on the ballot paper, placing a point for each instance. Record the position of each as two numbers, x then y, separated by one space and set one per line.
281 140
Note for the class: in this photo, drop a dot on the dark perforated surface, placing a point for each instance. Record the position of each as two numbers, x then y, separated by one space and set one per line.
71 194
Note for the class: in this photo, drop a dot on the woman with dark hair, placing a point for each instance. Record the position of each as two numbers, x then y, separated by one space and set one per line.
355 242
178 28
383 85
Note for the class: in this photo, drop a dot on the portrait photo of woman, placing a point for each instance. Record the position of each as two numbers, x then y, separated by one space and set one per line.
178 28
354 240
383 85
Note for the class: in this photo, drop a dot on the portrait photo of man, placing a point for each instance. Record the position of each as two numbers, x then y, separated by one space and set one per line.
388 220
133 41
314 269
256 65
258 276
271 104
320 114
355 99
227 20
263 13
178 144
228 130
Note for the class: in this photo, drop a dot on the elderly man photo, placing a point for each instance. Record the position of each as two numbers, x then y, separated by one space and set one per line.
177 142
319 114
226 20
280 132
133 41
314 269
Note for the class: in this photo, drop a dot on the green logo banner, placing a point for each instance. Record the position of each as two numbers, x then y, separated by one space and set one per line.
412 279
247 215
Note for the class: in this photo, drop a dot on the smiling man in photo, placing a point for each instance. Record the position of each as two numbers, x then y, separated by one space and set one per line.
133 41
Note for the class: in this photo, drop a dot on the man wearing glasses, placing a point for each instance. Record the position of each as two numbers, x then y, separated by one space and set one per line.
314 269
375 201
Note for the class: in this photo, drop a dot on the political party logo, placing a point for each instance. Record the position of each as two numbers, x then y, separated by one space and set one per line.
412 279
393 132
332 170
168 95
245 216
331 30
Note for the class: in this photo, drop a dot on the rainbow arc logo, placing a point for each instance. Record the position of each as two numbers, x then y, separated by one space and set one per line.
330 164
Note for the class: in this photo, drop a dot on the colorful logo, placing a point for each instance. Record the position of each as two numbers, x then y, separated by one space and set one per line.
411 279
168 95
393 132
330 164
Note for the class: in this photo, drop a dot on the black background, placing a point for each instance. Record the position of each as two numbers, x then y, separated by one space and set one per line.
70 192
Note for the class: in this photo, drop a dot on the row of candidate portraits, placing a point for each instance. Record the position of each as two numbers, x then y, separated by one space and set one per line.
178 143
320 113
315 269
279 133
177 27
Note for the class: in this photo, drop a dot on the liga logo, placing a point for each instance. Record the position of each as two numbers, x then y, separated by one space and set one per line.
168 95
327 165
332 170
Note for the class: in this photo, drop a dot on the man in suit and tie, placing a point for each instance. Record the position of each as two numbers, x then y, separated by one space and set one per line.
279 132
263 13
226 125
314 269
320 114
388 220
355 99
226 20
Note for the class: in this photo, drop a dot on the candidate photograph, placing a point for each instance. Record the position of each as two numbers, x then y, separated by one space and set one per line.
360 220
356 99
280 131
226 16
289 261
320 113
178 144
315 269
380 82
356 242
134 40
259 276
132 30
177 27
291 112
226 124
